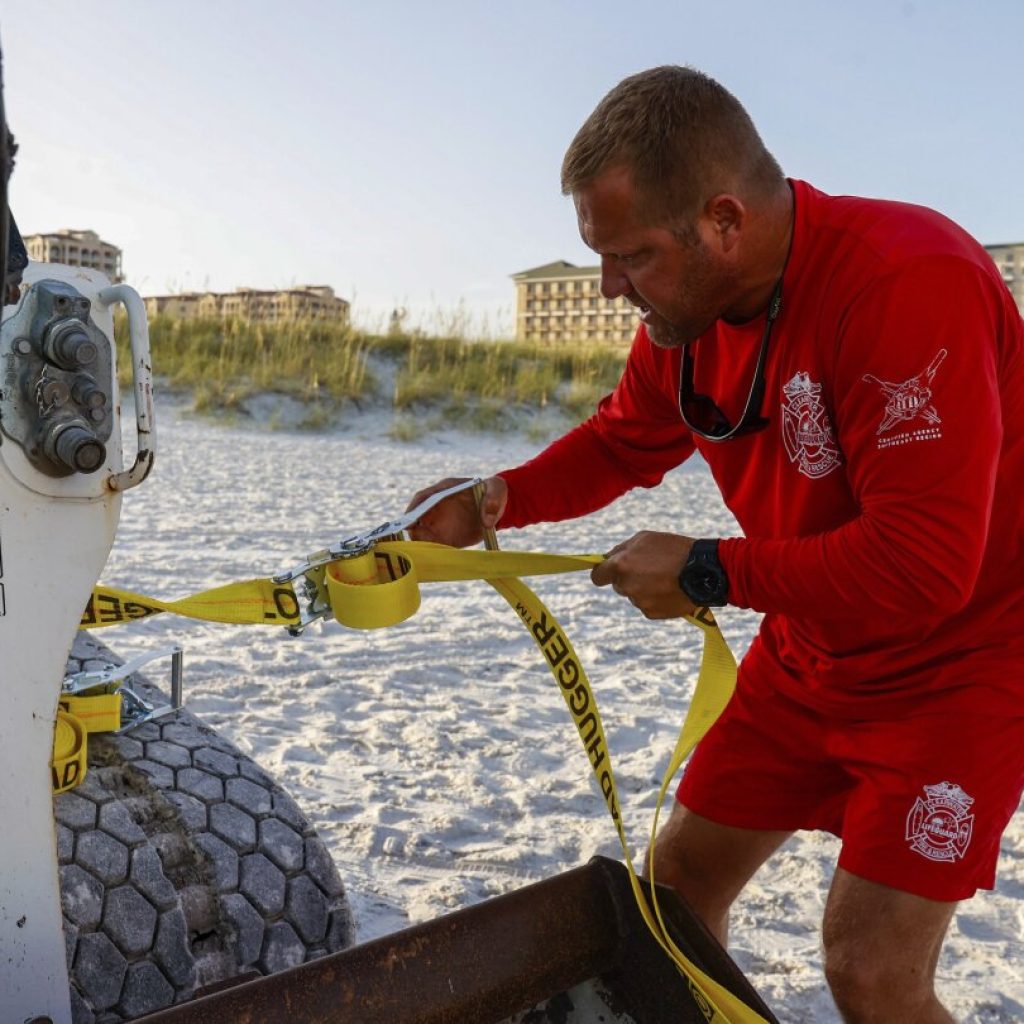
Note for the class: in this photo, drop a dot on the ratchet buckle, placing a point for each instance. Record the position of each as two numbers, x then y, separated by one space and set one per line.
308 578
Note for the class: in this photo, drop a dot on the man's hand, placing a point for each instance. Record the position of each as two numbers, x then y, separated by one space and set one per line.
456 520
645 569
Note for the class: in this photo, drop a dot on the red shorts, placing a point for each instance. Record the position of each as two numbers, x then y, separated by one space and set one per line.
920 801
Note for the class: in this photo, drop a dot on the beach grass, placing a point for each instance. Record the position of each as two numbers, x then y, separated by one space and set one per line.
472 384
224 361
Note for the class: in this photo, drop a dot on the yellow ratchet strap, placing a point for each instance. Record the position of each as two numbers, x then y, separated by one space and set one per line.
394 570
381 588
715 684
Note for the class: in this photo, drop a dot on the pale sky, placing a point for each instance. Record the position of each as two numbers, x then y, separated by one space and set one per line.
407 153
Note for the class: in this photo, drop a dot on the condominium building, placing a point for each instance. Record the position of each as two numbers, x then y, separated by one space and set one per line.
76 249
563 302
1009 259
304 302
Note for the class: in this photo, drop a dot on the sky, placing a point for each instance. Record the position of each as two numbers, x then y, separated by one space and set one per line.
407 153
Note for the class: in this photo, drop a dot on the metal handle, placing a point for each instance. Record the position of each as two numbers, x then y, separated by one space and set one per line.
490 534
176 675
142 378
90 679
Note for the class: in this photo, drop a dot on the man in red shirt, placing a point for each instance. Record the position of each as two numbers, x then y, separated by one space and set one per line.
852 371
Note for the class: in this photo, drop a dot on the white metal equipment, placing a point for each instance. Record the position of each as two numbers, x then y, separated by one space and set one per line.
61 474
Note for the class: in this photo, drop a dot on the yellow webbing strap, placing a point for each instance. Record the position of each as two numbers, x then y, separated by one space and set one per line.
381 588
99 712
715 685
396 567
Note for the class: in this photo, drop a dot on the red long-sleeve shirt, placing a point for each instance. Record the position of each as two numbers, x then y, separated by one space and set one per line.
883 507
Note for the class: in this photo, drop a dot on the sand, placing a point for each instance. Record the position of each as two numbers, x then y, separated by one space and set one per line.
436 757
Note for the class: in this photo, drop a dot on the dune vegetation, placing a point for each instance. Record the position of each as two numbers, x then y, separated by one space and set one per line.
330 368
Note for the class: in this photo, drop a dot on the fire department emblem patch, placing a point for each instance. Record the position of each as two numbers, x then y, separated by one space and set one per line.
910 400
939 826
806 430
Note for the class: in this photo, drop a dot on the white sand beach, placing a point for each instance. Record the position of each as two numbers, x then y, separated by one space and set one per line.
436 757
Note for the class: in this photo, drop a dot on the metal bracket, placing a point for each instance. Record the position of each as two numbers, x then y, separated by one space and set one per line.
311 596
135 709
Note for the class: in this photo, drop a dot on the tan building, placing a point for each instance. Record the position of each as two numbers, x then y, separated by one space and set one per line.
563 302
305 302
76 249
1009 259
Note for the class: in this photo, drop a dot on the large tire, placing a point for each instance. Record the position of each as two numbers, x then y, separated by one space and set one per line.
183 864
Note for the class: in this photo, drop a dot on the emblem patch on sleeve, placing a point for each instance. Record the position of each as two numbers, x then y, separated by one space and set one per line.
909 401
939 826
806 429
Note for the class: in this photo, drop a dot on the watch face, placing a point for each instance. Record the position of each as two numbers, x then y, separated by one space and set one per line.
703 586
706 583
703 580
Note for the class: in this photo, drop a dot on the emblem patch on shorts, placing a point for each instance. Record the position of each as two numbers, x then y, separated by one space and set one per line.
939 826
806 429
909 401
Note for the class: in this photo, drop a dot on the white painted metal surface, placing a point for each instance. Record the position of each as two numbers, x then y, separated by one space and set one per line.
55 536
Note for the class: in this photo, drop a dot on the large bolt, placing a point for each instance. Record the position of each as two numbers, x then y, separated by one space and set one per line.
68 345
76 447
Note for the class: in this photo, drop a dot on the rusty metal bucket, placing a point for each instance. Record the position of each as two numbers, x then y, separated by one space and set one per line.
539 955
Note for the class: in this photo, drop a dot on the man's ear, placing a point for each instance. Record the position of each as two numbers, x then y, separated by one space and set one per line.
724 217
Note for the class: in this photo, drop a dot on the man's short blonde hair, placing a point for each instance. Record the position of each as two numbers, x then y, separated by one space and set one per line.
683 137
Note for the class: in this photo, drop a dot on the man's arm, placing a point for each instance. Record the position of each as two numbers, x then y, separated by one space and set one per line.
635 437
632 440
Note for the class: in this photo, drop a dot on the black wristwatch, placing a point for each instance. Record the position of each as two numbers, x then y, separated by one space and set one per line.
703 580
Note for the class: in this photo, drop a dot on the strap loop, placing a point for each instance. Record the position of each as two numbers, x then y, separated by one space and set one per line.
67 768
